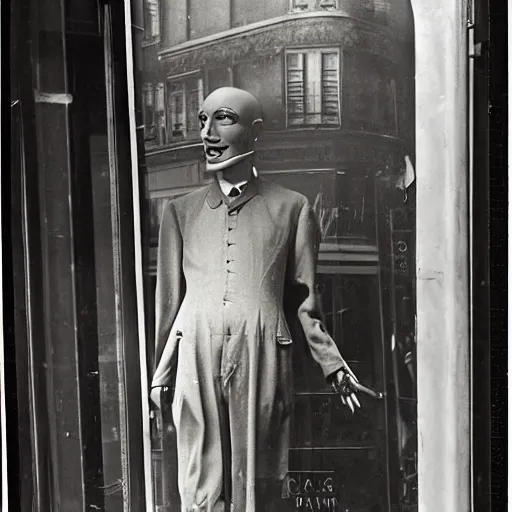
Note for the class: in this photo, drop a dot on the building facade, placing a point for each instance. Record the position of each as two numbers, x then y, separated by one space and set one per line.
336 82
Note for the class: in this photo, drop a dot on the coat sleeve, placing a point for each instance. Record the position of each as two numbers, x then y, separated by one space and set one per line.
302 273
170 289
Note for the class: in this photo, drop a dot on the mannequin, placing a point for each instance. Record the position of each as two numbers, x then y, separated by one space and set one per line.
235 277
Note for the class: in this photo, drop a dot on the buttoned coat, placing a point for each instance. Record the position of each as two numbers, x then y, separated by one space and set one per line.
233 281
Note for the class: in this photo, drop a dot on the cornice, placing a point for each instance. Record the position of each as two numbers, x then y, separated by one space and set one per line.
259 26
272 36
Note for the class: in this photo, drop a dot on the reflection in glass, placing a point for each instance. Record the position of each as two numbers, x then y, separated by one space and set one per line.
332 91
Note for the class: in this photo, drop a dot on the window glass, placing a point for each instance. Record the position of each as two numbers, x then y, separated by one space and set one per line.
330 93
177 111
302 5
295 88
336 461
151 20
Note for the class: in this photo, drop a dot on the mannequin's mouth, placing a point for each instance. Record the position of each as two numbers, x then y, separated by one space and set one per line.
215 151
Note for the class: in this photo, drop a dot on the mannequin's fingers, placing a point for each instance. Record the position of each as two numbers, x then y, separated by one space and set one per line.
349 403
343 400
353 376
355 400
350 372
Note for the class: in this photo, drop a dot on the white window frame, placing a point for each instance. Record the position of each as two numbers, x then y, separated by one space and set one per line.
310 50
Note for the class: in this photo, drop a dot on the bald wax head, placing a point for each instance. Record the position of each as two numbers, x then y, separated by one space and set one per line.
230 122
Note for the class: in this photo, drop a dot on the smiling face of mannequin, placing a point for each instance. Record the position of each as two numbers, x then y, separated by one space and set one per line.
230 123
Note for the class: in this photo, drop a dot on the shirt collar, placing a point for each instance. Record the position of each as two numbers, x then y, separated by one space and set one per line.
219 189
226 186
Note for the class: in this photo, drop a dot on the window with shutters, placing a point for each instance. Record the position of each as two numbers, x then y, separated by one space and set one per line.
151 21
184 97
313 87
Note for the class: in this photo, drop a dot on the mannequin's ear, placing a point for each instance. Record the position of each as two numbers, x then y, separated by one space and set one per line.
257 126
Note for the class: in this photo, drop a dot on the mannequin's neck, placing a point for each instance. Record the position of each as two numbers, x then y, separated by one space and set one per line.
240 171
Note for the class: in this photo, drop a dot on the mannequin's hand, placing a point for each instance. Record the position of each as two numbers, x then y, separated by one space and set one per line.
156 396
343 383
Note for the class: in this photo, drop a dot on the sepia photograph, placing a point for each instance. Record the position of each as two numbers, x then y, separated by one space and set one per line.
241 237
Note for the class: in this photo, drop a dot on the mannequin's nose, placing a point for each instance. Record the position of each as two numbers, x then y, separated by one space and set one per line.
209 132
211 139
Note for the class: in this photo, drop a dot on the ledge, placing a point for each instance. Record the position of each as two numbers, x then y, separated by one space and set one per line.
262 26
289 136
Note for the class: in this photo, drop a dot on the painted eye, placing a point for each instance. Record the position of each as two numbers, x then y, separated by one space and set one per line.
226 117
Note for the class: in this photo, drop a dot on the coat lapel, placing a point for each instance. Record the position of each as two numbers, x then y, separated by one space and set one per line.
214 197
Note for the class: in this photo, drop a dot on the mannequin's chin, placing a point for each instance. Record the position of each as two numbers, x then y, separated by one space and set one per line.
220 166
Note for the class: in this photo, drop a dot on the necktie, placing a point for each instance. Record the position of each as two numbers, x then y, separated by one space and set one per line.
236 191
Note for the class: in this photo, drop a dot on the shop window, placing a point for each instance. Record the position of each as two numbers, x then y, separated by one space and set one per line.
305 5
184 97
153 114
312 87
151 21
